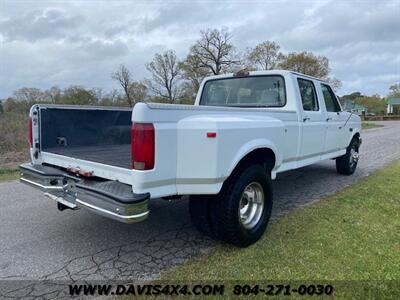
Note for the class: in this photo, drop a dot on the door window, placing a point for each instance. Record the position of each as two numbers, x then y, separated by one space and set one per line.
308 95
330 99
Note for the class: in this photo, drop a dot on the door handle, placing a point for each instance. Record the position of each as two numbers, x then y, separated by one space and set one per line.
328 119
306 118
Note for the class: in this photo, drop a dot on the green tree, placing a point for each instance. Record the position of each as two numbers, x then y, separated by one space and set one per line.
394 91
309 64
78 95
264 56
352 96
374 104
306 63
138 91
165 71
194 73
13 105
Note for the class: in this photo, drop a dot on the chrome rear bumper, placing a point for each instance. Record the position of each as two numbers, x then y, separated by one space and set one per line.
111 199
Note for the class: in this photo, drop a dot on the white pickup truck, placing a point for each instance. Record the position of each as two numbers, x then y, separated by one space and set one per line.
223 151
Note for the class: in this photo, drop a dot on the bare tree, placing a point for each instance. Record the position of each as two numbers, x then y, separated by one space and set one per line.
114 95
29 95
264 56
124 78
335 83
98 93
53 94
214 51
165 72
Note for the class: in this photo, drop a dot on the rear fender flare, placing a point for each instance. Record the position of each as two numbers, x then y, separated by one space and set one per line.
251 146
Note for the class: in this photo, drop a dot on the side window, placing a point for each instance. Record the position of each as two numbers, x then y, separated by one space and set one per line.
308 95
330 99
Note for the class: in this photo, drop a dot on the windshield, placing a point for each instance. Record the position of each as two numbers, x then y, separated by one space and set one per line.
252 91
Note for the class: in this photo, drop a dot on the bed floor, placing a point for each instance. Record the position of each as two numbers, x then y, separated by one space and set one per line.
115 155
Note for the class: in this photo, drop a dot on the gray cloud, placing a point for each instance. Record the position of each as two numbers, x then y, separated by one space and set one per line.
347 22
99 49
83 42
39 24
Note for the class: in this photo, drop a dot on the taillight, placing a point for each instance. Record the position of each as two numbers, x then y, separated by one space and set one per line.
30 136
142 146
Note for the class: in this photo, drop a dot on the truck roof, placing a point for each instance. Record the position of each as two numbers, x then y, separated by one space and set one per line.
267 72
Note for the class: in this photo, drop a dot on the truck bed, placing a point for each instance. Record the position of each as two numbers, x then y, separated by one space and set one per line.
114 155
92 134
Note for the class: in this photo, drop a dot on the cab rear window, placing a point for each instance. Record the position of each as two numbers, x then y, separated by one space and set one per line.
251 91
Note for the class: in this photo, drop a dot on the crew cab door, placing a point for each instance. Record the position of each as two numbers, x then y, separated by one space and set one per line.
334 139
312 122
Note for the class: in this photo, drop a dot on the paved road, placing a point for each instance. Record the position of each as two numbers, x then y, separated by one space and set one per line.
39 242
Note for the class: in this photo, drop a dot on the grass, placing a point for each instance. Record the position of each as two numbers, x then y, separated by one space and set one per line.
351 239
366 125
9 174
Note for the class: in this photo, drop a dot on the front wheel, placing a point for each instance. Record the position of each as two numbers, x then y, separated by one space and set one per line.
240 213
347 163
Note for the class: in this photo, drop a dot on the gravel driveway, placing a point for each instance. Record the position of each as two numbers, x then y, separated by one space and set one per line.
39 242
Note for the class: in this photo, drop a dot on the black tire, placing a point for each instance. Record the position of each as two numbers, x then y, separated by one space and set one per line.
347 164
226 222
199 210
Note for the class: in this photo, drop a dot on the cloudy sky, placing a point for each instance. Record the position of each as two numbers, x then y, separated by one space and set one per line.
46 43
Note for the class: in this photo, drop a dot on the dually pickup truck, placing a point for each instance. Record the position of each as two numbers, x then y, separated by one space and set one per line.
222 152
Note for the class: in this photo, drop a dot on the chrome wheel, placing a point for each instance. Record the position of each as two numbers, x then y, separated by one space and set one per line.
353 156
251 205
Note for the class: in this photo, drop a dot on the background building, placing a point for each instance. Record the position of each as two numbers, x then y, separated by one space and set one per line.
393 106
